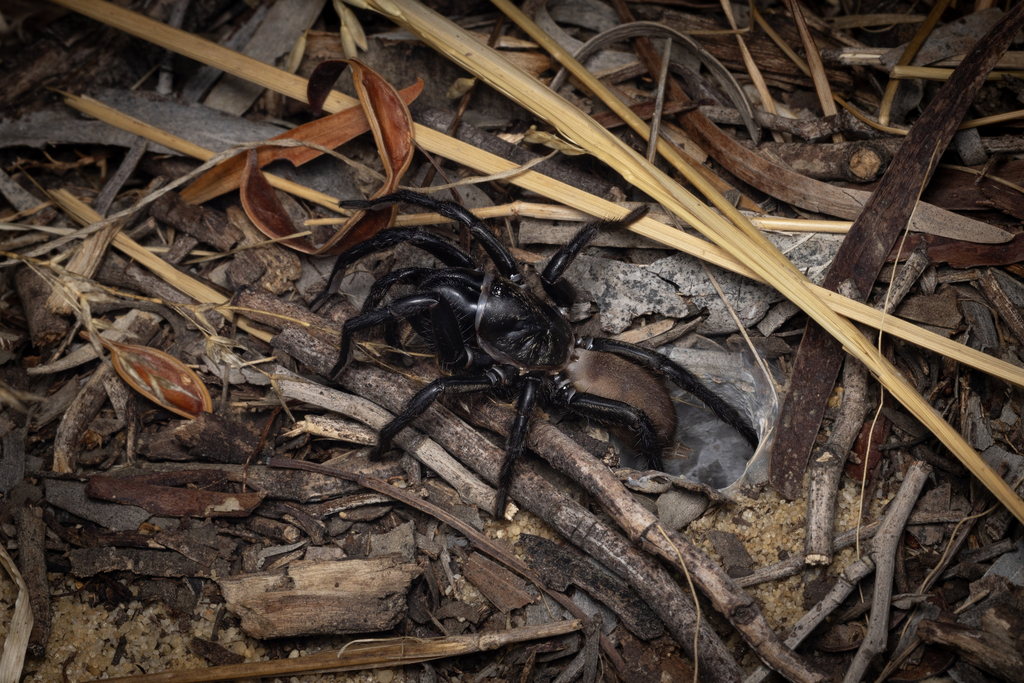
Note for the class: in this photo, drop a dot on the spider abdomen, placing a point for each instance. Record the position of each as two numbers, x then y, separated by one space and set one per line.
608 376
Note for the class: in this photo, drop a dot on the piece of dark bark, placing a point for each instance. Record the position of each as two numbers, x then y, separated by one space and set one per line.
863 252
182 247
562 566
86 562
163 446
219 439
204 224
188 545
989 652
351 596
1009 314
734 554
504 589
71 497
1004 198
214 653
179 599
340 505
168 499
45 328
12 453
297 516
274 530
32 563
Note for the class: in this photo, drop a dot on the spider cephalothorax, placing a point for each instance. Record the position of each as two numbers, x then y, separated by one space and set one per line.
493 334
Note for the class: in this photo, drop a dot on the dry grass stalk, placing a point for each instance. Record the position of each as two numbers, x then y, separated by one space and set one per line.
752 70
20 627
202 293
740 240
935 74
111 116
923 31
817 68
364 654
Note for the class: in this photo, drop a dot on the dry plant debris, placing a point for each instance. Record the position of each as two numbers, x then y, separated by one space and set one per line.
185 493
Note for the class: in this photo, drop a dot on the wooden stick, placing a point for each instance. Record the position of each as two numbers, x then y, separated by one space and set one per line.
923 31
883 554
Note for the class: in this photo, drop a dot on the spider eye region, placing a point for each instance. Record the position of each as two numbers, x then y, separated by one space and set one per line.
516 327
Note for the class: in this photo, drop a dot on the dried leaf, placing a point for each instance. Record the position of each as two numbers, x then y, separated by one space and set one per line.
264 208
392 126
161 378
329 131
388 119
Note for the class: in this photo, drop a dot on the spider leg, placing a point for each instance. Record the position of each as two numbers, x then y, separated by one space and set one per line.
381 288
445 251
680 376
610 411
446 332
503 260
517 436
426 396
559 291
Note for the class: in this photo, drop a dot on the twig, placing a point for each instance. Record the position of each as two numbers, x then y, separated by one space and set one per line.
845 584
883 554
826 469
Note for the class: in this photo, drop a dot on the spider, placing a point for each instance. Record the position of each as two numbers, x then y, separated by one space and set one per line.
493 335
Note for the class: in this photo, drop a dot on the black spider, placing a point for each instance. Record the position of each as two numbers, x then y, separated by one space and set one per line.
492 334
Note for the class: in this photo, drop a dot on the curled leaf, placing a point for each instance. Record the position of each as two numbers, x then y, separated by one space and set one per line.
391 125
264 208
161 378
329 131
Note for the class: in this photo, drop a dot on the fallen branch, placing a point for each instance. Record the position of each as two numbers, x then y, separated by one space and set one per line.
883 554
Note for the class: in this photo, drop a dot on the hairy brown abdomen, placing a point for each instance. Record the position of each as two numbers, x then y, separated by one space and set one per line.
609 376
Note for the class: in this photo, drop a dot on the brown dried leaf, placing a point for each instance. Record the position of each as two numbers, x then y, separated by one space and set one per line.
392 125
161 378
264 208
329 131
